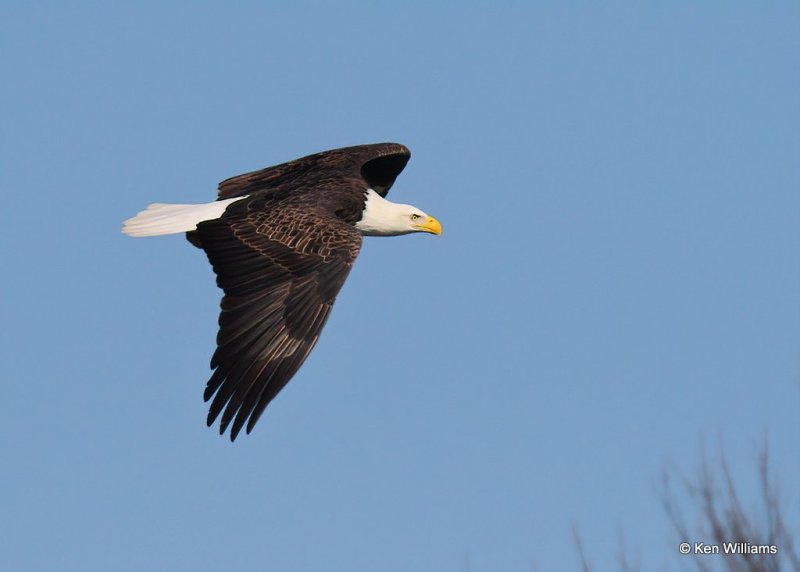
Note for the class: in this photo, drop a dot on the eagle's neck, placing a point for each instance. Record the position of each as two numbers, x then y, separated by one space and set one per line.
382 218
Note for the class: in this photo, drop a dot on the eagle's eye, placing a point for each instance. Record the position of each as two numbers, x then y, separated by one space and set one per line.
415 216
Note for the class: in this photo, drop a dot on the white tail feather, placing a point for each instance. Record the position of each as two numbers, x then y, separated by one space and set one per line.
161 218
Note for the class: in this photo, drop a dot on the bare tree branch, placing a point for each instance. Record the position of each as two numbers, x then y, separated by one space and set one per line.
755 540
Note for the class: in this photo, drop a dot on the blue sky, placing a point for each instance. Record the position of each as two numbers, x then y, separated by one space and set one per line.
617 281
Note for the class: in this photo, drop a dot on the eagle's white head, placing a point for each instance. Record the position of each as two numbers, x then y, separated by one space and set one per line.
385 218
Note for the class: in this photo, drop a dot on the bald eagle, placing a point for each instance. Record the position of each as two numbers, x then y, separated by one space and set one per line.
282 241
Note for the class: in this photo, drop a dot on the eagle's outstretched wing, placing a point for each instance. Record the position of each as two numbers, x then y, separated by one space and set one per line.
377 165
280 267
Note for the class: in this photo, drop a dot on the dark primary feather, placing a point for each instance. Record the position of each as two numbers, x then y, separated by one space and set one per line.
281 255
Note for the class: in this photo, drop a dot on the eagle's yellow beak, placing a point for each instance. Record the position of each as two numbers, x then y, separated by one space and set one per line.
430 225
